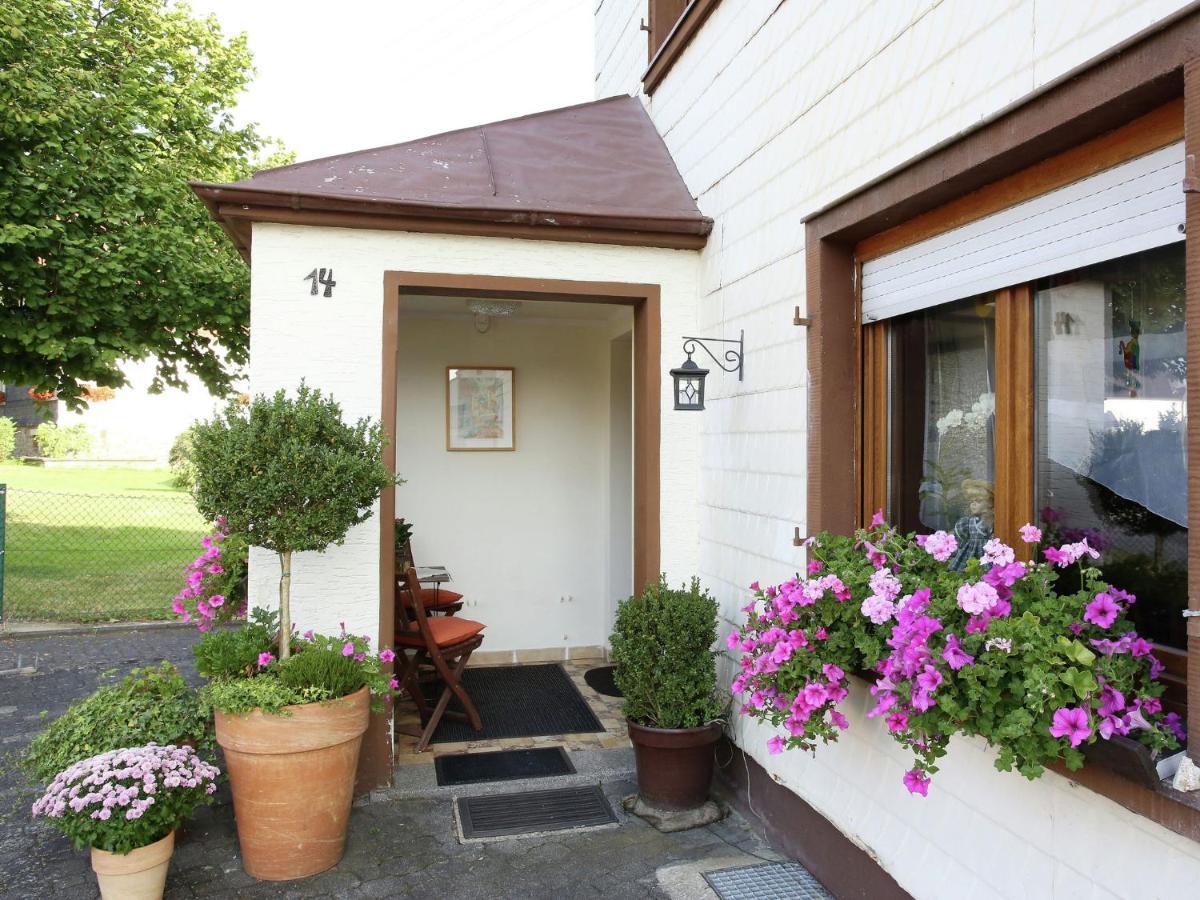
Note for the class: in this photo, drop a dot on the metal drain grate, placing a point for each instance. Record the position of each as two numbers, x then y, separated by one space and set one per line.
770 881
531 812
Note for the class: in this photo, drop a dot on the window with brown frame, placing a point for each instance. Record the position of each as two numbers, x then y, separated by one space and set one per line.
1062 403
671 26
661 18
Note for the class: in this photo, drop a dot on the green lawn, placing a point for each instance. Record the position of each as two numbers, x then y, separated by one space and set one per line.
94 545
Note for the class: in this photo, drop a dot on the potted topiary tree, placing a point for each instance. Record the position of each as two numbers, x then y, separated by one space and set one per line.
666 669
291 476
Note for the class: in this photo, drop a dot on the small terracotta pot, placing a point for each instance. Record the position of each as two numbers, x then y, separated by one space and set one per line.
292 778
140 874
674 765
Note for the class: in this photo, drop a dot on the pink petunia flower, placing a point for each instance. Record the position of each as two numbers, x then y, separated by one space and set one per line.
348 649
387 655
775 745
1102 611
917 782
1071 722
838 720
265 659
954 655
877 519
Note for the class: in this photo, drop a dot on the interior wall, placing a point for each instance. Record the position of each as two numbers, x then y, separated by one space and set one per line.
620 474
525 534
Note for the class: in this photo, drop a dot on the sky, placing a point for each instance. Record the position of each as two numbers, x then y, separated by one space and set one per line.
340 75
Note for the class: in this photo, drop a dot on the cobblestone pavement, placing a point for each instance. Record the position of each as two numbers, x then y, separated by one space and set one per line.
396 848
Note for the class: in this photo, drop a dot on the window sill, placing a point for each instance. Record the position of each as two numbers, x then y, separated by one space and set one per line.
1176 810
689 24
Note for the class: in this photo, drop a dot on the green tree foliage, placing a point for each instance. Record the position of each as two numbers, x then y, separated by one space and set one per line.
183 471
8 437
290 475
60 442
107 109
663 649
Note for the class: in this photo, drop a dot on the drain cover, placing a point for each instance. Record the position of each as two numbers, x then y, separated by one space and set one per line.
531 812
767 882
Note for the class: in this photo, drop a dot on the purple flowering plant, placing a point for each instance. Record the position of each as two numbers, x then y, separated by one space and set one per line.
214 590
993 651
128 798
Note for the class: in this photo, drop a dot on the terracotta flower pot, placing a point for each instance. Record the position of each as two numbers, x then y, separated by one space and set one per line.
674 765
140 874
293 781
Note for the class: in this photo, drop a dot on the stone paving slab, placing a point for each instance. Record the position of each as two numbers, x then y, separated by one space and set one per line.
398 846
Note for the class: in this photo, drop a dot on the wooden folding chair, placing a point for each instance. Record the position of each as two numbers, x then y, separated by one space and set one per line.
445 643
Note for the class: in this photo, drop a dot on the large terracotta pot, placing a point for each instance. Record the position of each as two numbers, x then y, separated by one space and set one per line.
293 781
674 765
140 874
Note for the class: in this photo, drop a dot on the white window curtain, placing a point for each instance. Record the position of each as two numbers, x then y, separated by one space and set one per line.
1135 206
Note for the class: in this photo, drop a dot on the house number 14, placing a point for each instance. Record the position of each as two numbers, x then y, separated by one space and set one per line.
321 276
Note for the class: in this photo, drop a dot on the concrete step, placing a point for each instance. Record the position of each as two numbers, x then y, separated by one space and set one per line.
600 766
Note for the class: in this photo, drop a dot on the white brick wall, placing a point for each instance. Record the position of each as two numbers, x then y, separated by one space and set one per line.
335 344
775 111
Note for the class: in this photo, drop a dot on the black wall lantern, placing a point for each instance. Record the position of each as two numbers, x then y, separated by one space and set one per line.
689 377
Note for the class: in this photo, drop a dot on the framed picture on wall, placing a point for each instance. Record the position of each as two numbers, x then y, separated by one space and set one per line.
480 409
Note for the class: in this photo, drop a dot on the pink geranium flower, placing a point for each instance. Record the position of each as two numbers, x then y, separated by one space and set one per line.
1071 722
976 598
941 545
265 659
1030 534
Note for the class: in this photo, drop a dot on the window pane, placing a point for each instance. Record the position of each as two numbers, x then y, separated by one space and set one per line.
1112 425
942 421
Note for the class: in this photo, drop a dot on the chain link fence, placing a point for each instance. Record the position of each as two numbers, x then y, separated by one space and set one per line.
70 557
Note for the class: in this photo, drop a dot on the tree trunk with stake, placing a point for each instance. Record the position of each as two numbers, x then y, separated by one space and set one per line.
285 608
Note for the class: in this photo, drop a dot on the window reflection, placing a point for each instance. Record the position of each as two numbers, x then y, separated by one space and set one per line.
942 422
1111 425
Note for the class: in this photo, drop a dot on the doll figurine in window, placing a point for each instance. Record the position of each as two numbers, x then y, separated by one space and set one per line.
975 528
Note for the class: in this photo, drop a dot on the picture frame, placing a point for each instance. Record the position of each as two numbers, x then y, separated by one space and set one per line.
480 408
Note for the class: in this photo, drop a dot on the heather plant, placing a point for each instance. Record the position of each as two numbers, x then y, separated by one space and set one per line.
127 798
150 705
290 475
993 651
662 645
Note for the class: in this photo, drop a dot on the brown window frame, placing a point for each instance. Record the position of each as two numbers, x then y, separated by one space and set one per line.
671 25
1159 68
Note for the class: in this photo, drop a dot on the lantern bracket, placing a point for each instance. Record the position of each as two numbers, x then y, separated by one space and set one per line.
732 361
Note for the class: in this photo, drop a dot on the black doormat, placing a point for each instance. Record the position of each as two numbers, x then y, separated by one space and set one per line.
502 765
533 812
517 701
601 680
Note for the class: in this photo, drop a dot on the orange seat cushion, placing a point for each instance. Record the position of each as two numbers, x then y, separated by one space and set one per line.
436 598
446 630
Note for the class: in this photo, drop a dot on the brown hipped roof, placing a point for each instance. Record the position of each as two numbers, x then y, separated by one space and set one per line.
594 172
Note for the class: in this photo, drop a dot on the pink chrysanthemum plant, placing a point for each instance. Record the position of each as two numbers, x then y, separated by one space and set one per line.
214 582
992 651
125 799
